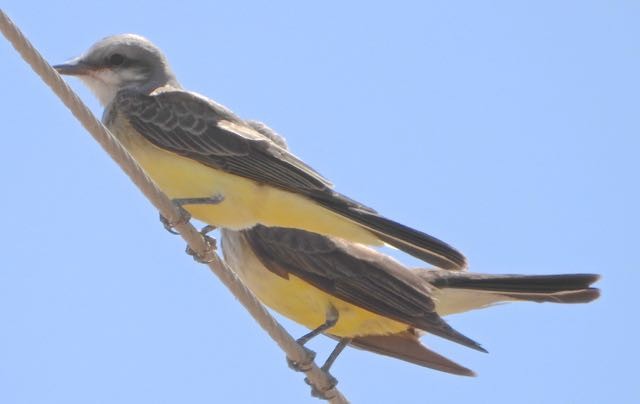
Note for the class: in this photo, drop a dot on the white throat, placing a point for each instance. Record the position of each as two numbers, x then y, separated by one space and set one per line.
106 83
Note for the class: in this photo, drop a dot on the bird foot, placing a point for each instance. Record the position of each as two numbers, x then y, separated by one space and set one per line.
212 245
186 216
170 225
322 394
209 253
305 364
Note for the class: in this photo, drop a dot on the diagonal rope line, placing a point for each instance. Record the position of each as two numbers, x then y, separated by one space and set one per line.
318 378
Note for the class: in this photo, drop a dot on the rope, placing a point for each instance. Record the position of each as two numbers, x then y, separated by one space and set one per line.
201 247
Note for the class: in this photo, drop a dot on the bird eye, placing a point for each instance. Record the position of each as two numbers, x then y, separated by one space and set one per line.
116 59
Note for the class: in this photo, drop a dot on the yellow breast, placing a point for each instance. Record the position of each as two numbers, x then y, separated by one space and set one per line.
298 300
245 203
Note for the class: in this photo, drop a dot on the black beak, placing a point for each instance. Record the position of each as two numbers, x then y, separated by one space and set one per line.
73 68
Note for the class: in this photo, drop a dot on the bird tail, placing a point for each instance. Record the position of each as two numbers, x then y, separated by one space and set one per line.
407 239
406 346
463 291
411 241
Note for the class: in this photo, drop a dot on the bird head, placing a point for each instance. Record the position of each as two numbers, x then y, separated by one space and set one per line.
120 62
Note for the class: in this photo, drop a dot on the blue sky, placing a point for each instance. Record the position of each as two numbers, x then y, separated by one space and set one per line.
509 129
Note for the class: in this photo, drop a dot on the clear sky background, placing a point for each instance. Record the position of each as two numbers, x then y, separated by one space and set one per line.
509 129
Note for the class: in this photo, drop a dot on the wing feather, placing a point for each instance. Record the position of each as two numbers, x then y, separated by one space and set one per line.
353 273
194 127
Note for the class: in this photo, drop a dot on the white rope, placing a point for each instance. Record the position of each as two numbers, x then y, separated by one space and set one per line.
318 378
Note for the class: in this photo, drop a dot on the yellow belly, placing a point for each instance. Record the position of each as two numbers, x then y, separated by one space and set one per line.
308 305
245 203
298 300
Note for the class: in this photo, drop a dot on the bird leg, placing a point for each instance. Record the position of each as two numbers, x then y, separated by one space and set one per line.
332 319
342 344
207 200
184 215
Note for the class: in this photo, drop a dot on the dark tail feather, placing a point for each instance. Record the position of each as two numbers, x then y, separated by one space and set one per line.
407 347
569 288
580 296
437 326
411 241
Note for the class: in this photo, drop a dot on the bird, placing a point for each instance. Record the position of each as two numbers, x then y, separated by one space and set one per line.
364 298
220 169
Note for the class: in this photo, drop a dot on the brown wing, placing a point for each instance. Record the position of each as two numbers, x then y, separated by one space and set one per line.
198 128
353 273
407 347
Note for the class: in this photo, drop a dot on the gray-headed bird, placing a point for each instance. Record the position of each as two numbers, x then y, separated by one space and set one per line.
219 168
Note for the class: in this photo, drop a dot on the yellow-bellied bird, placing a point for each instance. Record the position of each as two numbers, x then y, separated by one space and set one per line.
365 298
222 170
